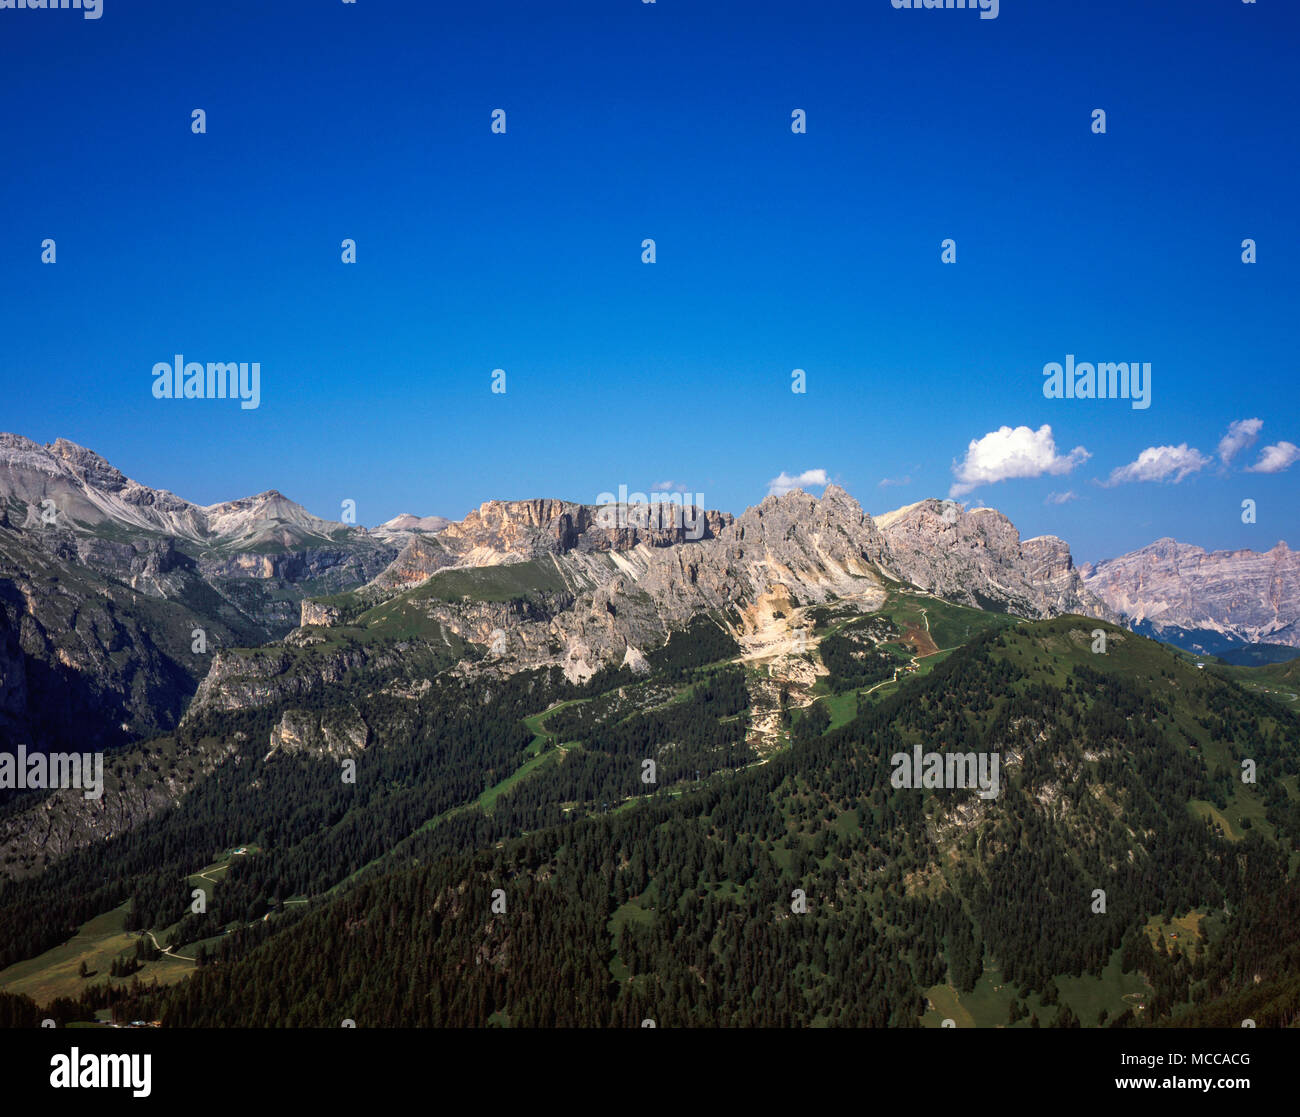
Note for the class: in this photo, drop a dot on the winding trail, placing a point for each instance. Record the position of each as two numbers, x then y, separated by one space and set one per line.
170 951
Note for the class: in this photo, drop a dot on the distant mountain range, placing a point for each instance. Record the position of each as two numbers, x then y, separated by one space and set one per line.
1205 601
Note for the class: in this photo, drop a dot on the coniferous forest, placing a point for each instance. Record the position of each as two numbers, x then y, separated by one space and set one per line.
794 888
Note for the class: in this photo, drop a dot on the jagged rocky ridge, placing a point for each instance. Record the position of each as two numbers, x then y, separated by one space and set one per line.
977 558
84 491
77 505
610 587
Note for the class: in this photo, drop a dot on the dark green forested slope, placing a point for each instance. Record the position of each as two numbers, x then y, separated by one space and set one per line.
1119 772
434 754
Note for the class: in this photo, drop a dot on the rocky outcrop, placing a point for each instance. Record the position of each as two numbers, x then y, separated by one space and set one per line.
312 612
1252 596
327 568
242 679
976 557
421 557
1050 566
338 732
303 671
821 546
502 531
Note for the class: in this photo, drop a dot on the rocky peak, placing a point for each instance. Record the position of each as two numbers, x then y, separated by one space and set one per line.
519 526
88 466
835 525
976 556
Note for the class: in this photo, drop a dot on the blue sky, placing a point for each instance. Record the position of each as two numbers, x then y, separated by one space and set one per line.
775 251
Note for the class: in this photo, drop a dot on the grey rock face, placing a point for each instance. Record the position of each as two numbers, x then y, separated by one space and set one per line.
337 732
240 681
311 612
82 549
89 662
67 487
1248 595
83 488
500 532
976 557
632 584
635 575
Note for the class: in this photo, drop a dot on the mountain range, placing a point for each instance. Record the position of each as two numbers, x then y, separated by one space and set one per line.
605 586
126 610
501 686
107 583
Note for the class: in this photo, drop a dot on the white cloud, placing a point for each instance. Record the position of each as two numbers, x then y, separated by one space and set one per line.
888 481
1274 459
1008 453
1161 463
1241 434
1061 498
784 483
669 487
